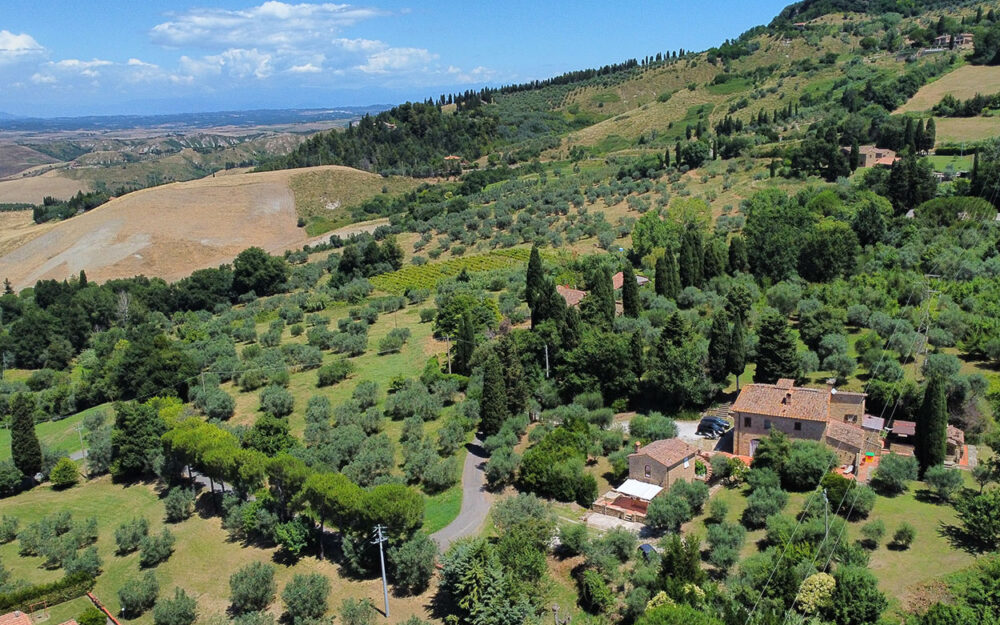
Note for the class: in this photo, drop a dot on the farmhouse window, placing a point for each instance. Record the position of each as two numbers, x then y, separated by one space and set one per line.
649 471
798 425
747 421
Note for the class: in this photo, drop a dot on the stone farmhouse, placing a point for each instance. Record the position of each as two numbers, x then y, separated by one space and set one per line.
826 415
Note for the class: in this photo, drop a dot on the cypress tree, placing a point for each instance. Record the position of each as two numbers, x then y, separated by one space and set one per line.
83 279
932 425
533 278
465 343
24 446
549 305
673 281
776 354
660 276
635 348
515 384
493 408
598 308
736 359
738 260
691 259
630 292
918 136
719 339
714 261
855 158
930 135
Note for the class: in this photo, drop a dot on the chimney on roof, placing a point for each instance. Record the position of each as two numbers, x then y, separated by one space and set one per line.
638 445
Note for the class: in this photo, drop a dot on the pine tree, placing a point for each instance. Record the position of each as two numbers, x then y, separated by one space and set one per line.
776 354
719 339
24 446
465 344
630 292
691 259
493 407
932 425
738 255
736 359
533 278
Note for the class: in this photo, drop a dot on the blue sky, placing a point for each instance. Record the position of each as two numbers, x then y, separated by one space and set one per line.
153 56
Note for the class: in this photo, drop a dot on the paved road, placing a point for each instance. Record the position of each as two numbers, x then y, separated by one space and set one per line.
476 500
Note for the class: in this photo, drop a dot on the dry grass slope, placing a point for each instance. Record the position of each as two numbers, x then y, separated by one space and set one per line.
963 83
166 231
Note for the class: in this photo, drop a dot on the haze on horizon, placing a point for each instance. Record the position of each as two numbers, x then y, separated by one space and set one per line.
113 57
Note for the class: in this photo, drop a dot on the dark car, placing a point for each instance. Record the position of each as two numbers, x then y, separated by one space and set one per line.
717 420
711 429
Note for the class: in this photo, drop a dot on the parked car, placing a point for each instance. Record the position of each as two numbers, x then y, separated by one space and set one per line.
719 420
710 429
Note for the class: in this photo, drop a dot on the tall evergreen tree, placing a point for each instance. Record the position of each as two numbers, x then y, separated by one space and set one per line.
24 446
515 384
918 136
932 425
465 344
493 407
715 259
776 354
82 282
719 340
549 305
736 359
930 135
534 278
691 258
854 160
635 348
598 308
630 292
738 260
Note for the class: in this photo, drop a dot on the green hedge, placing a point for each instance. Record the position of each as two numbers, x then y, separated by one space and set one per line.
53 593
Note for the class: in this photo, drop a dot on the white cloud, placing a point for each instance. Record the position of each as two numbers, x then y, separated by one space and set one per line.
308 68
236 62
138 63
14 48
396 59
475 75
43 79
270 25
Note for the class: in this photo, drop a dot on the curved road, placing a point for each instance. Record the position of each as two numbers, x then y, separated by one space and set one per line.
476 501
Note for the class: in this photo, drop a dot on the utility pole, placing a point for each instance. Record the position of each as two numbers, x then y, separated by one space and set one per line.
826 515
378 540
447 337
546 361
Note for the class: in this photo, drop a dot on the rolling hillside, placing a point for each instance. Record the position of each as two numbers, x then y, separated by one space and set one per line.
171 230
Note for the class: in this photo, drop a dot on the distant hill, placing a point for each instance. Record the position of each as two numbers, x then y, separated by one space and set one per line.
264 117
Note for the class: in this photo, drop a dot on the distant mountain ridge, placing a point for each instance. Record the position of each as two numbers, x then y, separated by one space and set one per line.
259 117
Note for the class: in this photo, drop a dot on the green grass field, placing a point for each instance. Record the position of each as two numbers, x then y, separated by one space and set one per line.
60 435
202 562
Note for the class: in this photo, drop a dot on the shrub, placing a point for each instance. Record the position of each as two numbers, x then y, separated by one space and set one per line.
717 511
138 594
59 591
336 371
427 314
872 533
413 563
156 549
652 428
904 536
92 616
276 401
816 593
86 562
128 535
179 504
695 492
306 597
668 512
11 479
945 482
762 503
64 474
357 612
574 538
502 467
8 529
595 595
181 610
293 536
807 463
252 587
893 474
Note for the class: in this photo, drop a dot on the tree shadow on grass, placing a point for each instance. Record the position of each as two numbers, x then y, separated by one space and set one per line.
926 495
959 538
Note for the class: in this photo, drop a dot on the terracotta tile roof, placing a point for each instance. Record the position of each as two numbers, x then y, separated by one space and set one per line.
667 452
872 423
904 428
573 297
845 436
15 618
771 400
618 280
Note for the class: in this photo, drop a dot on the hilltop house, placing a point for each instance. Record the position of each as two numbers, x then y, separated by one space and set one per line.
618 280
960 40
826 415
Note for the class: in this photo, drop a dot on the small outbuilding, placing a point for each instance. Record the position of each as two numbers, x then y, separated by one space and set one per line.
662 462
